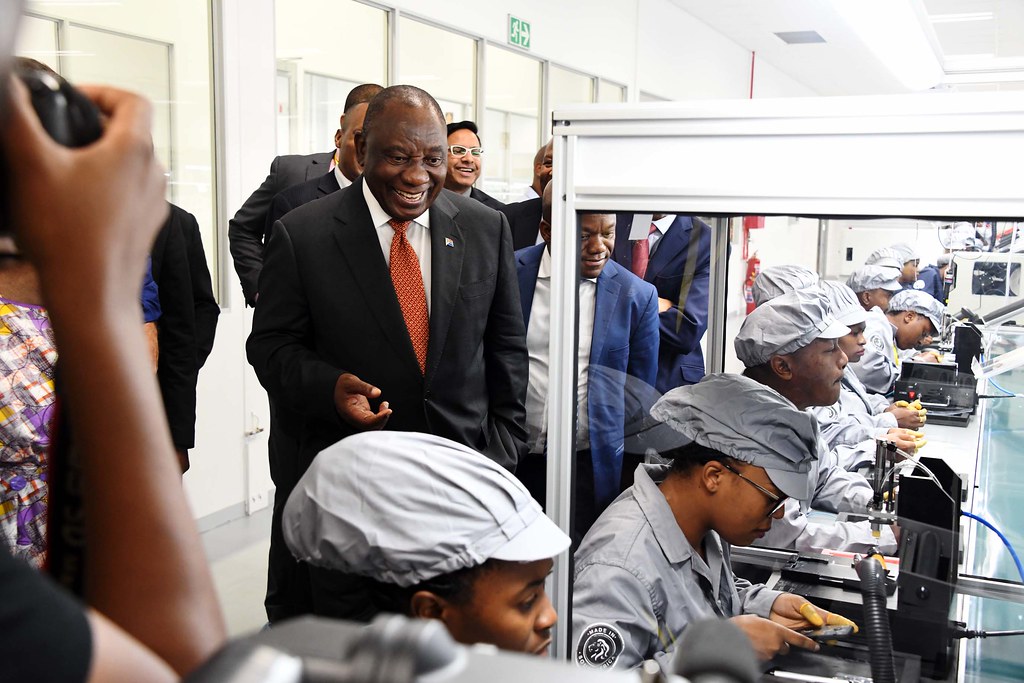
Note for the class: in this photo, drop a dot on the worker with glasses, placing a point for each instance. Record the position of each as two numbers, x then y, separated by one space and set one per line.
658 558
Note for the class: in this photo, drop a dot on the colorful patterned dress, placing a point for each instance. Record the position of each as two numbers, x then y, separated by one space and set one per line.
27 359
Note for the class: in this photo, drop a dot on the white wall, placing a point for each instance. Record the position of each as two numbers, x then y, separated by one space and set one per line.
865 236
782 241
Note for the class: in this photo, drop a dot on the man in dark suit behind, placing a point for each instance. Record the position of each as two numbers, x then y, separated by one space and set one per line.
677 261
464 169
246 229
187 325
393 304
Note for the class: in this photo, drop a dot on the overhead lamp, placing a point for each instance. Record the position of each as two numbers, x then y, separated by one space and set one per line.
962 16
894 32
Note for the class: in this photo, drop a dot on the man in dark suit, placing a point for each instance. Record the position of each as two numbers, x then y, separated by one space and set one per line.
523 219
187 325
618 337
676 259
347 170
392 304
246 229
466 163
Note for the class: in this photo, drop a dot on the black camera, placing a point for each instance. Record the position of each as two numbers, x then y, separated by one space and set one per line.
67 115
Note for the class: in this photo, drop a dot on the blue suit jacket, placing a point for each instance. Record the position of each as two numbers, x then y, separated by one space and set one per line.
680 360
625 345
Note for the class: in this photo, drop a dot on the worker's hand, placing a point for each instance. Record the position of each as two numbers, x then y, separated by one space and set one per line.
770 638
664 305
352 401
795 612
904 439
908 415
928 357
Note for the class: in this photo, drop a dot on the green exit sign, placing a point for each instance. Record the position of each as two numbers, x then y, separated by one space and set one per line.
518 32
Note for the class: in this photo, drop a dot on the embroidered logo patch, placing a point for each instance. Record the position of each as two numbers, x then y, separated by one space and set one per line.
877 342
833 414
599 646
919 284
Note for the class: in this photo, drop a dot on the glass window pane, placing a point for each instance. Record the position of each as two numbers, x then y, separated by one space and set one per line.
308 36
512 136
325 103
568 87
610 92
442 63
163 53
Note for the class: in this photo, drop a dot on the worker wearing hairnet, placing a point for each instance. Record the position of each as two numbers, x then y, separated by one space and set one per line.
850 426
791 345
429 528
773 281
658 558
894 330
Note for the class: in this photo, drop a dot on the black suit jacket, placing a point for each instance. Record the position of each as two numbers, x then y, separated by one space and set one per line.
485 199
245 230
524 221
187 326
297 195
328 307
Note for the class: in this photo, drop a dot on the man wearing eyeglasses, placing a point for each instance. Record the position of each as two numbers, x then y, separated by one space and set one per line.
466 163
658 558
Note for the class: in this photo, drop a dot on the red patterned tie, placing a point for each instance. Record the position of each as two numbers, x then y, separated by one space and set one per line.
642 253
412 297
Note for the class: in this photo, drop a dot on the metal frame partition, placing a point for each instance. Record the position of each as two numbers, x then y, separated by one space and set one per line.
930 156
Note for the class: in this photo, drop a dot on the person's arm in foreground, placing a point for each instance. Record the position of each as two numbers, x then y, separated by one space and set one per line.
89 218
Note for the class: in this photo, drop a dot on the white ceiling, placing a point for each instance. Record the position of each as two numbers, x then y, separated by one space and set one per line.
859 58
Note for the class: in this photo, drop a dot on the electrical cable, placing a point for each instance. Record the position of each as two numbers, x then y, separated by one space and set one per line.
1006 541
967 633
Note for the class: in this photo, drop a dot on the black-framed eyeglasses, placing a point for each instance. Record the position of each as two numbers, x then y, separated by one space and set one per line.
777 501
462 150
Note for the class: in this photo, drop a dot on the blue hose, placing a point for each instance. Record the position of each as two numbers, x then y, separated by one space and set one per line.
1006 541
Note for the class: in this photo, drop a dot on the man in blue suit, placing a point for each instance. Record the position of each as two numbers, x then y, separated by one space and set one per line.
618 347
676 259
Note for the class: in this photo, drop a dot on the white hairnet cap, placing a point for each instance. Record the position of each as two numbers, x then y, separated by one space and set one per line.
743 419
919 302
785 324
775 280
874 277
402 508
843 303
886 256
906 252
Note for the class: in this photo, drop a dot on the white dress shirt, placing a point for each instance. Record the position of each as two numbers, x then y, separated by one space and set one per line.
343 182
537 337
662 225
418 234
528 193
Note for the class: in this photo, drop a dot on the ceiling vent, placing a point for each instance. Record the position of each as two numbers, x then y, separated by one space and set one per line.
800 37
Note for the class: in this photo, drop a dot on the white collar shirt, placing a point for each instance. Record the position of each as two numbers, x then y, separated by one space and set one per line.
418 234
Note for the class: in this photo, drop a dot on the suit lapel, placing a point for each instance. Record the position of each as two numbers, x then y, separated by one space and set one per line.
359 245
528 262
315 168
672 243
447 250
606 297
328 184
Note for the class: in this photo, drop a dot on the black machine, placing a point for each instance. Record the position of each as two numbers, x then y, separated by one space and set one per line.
948 390
919 596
